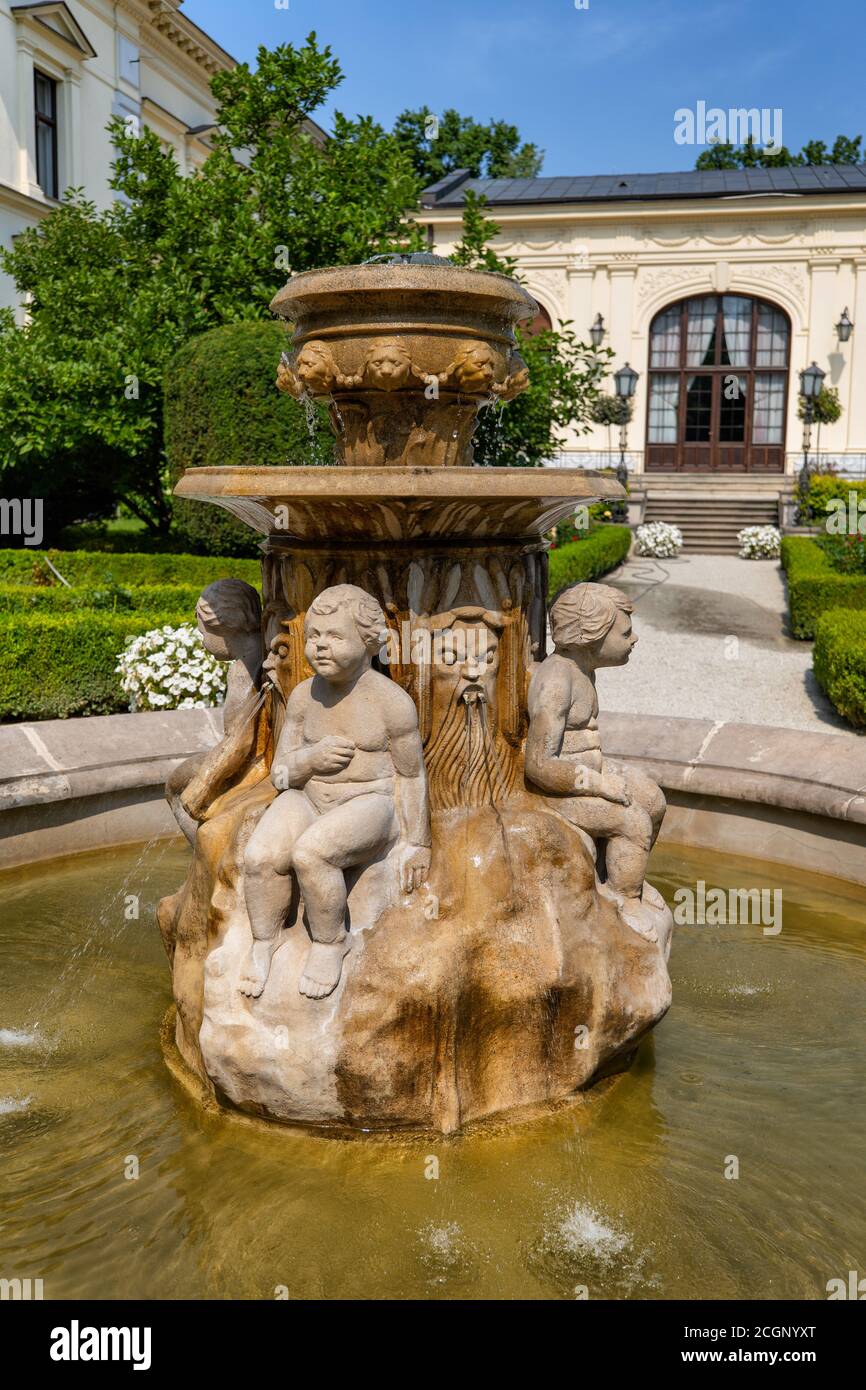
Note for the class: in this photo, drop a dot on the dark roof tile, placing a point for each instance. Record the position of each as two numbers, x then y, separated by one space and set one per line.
687 183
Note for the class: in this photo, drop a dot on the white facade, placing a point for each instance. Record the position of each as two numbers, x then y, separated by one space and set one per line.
628 260
140 59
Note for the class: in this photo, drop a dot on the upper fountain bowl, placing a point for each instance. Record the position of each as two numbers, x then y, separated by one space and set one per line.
406 352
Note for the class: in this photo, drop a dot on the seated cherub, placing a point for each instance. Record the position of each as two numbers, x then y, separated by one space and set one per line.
591 627
229 618
350 774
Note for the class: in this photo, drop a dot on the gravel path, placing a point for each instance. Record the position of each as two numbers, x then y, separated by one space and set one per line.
713 644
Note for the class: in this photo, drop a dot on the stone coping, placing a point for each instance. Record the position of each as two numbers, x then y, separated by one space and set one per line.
66 759
817 773
87 776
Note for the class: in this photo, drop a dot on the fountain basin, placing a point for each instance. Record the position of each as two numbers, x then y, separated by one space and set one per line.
620 1190
394 504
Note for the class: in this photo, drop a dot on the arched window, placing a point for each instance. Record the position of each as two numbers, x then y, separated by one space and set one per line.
538 324
718 382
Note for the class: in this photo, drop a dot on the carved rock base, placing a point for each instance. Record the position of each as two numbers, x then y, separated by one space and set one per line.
513 983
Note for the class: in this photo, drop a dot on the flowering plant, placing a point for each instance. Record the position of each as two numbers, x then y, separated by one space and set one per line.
759 542
658 538
170 668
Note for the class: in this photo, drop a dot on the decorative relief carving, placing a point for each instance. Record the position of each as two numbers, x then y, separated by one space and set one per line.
651 282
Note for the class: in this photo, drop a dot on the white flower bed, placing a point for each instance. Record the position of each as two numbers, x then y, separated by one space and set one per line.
170 668
759 542
660 539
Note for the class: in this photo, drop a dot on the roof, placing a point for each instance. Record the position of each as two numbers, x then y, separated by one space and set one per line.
611 188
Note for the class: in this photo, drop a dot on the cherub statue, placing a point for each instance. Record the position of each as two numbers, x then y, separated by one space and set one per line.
229 618
352 785
591 627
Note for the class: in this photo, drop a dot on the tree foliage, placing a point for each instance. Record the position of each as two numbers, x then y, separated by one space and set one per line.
750 155
114 293
438 144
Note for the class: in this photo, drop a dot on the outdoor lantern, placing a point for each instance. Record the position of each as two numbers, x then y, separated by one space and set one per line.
597 331
625 380
843 327
811 380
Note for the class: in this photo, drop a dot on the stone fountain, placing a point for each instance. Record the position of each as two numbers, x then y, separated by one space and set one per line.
417 892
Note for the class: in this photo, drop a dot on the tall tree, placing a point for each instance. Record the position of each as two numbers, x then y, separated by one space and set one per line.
113 294
845 150
438 144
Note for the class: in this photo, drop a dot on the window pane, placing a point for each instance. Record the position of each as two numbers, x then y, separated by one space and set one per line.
45 138
768 422
665 339
699 401
701 338
772 344
664 399
732 410
45 91
737 330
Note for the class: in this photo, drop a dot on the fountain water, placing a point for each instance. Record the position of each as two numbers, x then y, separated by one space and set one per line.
396 916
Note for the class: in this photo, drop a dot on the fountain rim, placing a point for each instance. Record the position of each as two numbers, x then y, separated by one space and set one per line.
346 283
266 480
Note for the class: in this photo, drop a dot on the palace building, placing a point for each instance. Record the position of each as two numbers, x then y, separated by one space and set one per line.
66 69
718 287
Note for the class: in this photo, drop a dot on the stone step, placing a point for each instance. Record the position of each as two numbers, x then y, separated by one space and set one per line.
710 525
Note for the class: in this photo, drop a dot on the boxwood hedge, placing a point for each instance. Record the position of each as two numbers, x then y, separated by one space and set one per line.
100 568
601 550
143 598
814 587
222 408
839 660
55 665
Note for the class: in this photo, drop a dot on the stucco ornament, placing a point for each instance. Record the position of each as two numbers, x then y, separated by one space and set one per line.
620 808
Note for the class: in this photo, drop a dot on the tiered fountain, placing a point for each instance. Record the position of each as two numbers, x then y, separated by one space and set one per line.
406 908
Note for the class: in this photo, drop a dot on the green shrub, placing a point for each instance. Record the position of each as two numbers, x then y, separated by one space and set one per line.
825 488
99 569
839 659
603 548
149 598
222 408
814 587
55 665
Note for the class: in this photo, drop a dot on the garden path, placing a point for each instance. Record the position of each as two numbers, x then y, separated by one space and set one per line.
713 644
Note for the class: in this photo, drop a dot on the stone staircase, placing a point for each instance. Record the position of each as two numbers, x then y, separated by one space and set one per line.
710 516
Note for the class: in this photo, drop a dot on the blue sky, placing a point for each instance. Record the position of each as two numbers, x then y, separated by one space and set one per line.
597 88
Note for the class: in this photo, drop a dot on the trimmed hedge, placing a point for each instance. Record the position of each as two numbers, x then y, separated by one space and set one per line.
143 598
222 407
603 549
839 660
95 568
814 587
53 666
